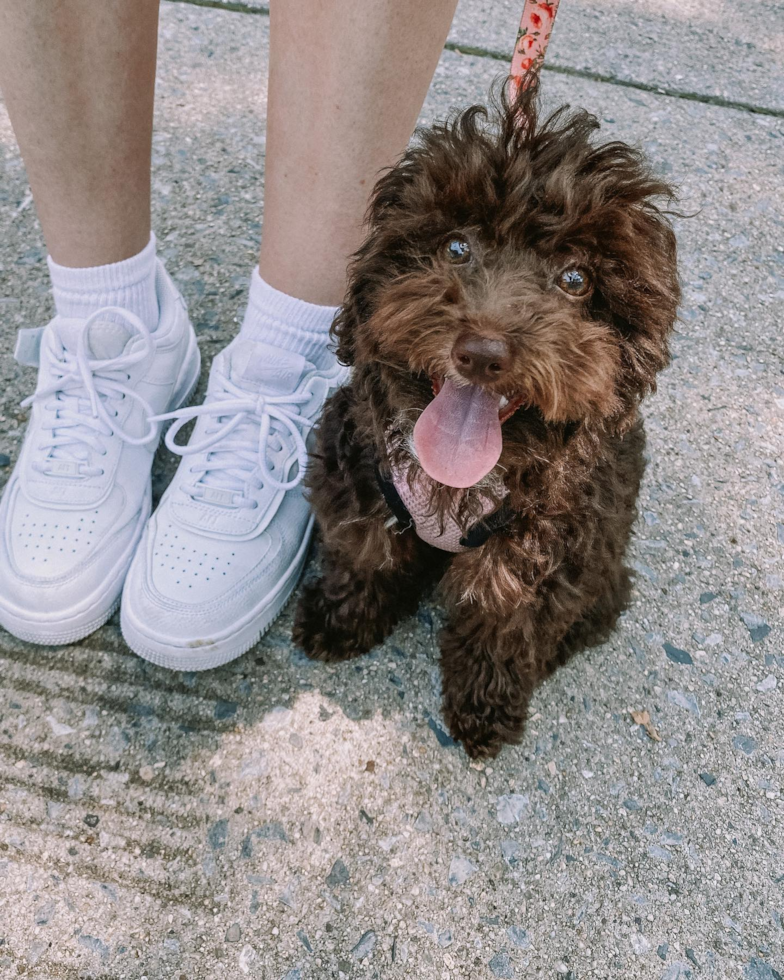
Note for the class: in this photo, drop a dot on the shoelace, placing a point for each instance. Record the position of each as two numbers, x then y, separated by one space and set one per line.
77 429
240 468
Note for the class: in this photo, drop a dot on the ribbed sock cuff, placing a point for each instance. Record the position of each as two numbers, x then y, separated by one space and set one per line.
129 284
284 321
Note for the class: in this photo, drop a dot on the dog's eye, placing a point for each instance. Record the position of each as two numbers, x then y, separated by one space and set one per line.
575 282
457 250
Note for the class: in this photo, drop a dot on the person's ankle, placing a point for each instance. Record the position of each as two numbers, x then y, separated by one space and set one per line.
280 320
129 284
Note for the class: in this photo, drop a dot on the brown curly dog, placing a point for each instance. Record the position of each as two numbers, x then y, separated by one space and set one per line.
508 311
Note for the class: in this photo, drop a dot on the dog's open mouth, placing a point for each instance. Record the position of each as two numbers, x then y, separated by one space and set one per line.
506 406
458 437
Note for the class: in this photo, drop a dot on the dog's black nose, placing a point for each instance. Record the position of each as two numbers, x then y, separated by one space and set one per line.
481 359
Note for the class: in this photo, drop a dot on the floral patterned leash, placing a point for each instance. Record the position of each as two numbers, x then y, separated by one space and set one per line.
533 37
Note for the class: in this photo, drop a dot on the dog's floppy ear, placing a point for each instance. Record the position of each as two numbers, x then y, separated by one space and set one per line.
350 315
373 263
367 270
642 302
639 285
647 295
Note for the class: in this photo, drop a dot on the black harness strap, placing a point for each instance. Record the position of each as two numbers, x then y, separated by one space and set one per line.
394 500
487 527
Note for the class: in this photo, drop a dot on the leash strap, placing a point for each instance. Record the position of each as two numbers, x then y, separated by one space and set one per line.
533 36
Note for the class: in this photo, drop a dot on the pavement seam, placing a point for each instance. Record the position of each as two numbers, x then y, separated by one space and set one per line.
236 6
594 76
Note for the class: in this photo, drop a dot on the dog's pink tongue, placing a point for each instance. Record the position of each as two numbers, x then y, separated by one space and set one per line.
458 436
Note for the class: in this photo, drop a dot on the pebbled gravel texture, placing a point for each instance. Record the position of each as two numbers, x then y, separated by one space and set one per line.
289 821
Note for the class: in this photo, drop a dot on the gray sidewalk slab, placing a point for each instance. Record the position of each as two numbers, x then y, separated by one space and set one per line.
711 48
282 820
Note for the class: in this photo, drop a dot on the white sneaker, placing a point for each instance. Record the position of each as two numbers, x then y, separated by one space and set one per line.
80 494
225 548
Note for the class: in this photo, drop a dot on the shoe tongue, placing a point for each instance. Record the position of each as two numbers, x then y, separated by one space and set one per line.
257 366
458 437
106 339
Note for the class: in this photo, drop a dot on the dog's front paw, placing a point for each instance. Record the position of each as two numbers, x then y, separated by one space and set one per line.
480 741
484 735
323 629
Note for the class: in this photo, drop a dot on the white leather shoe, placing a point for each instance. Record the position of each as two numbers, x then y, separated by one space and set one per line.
226 546
79 496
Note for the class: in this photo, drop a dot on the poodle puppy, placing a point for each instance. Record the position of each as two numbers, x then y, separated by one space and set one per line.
507 312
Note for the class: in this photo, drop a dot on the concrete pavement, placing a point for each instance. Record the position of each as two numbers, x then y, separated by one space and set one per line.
290 821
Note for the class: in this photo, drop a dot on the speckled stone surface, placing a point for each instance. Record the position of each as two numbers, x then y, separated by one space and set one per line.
282 820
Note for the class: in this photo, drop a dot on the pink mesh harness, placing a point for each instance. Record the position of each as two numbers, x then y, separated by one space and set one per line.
410 506
427 525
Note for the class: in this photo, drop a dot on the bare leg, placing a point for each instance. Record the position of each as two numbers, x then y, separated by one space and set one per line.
78 80
347 81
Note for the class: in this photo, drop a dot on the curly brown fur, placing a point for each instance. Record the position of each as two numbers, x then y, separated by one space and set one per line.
532 199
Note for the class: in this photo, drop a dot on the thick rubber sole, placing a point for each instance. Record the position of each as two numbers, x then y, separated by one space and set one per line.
196 655
97 609
60 634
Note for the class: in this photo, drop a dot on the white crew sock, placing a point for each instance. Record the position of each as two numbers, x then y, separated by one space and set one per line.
283 321
129 284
